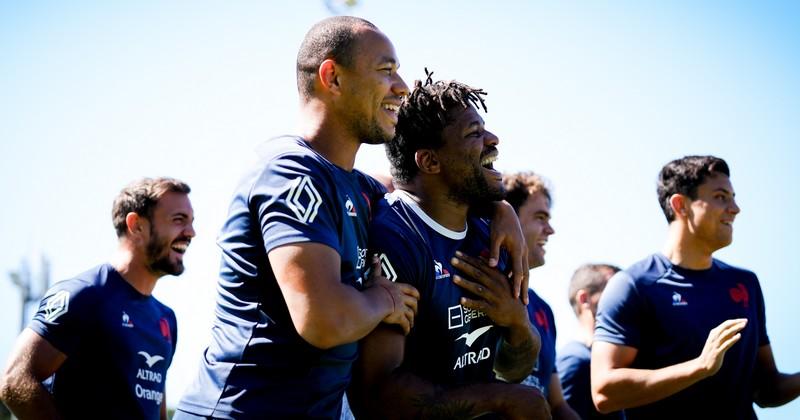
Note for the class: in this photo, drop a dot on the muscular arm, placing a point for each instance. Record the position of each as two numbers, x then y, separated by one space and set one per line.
559 407
32 360
615 386
507 232
380 390
520 348
328 313
773 388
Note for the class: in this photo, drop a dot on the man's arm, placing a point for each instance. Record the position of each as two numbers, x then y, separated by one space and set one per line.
615 386
380 390
773 388
32 360
558 406
164 407
520 347
506 232
328 313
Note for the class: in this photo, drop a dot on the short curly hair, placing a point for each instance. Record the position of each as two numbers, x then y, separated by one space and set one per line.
141 197
422 118
521 185
683 176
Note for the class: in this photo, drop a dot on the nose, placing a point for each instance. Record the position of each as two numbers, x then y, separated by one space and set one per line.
399 86
189 230
548 228
489 139
734 208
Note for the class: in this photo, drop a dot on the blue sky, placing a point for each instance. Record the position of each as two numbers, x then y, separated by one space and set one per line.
596 97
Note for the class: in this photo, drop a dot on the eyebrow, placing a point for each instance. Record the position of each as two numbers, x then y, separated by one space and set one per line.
543 213
725 190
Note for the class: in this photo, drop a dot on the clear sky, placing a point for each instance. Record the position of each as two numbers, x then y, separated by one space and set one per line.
596 96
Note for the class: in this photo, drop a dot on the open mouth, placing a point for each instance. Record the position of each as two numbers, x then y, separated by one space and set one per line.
488 159
180 246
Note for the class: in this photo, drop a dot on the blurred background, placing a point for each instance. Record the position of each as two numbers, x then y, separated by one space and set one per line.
595 96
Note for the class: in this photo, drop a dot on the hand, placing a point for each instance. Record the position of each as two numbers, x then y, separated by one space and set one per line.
492 289
720 339
404 297
506 232
523 402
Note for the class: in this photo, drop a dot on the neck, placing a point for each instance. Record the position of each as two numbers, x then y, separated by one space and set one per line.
327 136
585 332
436 204
133 270
682 250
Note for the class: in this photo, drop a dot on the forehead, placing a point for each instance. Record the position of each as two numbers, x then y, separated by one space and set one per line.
373 47
536 203
463 117
174 203
715 182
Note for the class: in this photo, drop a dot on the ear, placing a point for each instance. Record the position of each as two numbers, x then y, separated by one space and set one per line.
582 297
679 204
427 161
328 76
135 224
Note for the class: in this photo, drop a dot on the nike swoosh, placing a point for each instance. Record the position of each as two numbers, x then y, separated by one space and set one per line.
474 335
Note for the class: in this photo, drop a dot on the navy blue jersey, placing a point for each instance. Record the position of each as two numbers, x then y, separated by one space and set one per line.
541 317
449 344
574 369
666 313
119 344
257 365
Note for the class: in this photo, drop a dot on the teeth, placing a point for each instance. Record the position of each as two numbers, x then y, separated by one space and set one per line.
180 247
489 159
391 107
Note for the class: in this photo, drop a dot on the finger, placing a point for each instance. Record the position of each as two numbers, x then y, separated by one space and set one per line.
410 303
523 290
478 271
729 343
376 266
520 273
472 287
475 304
405 325
408 290
494 248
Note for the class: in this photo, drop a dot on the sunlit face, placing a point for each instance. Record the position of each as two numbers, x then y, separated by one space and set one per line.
171 231
372 89
468 157
534 217
710 216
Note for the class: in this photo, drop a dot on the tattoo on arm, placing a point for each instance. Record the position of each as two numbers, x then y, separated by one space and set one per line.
514 363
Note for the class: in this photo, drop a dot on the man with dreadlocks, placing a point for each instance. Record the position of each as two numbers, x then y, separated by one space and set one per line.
466 331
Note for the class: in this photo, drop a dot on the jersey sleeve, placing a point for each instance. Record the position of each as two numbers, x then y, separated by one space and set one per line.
63 315
399 260
763 338
292 199
619 313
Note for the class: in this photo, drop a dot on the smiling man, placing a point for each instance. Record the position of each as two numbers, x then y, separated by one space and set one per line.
469 326
102 335
681 334
528 193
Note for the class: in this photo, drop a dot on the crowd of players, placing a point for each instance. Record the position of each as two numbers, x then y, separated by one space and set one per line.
415 302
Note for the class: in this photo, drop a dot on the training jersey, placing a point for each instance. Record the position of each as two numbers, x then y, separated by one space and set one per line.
118 342
449 344
257 365
541 317
666 312
574 369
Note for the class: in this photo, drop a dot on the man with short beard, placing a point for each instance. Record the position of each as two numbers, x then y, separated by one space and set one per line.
100 343
470 326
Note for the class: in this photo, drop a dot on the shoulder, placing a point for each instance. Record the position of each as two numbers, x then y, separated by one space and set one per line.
536 302
287 158
728 269
646 271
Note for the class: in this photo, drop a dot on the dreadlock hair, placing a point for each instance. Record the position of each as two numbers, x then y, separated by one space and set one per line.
684 175
423 115
331 38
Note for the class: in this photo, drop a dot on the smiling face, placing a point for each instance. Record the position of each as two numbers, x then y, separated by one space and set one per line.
372 90
171 231
710 216
534 217
468 157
